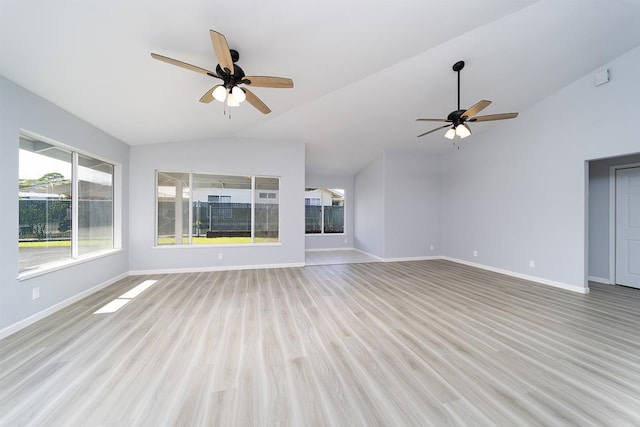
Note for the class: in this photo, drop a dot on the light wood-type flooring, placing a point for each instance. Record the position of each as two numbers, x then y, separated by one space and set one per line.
420 343
344 256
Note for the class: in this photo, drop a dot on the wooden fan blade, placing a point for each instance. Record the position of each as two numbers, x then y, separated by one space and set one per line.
267 81
479 106
433 120
208 95
256 102
492 117
221 48
181 64
434 130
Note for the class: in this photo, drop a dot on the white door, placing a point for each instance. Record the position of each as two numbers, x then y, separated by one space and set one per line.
628 227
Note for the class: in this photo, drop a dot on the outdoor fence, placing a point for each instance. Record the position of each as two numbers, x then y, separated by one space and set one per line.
333 219
214 219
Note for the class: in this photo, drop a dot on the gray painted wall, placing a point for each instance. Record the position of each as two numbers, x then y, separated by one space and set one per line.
369 208
599 201
231 157
329 241
412 205
21 109
397 206
516 191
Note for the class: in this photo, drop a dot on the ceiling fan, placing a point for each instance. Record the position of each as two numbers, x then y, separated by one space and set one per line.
232 77
457 120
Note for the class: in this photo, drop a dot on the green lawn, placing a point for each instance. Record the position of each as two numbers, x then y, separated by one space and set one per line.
45 244
217 240
60 243
161 241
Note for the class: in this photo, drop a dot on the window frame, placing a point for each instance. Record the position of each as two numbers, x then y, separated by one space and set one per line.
191 201
116 187
308 202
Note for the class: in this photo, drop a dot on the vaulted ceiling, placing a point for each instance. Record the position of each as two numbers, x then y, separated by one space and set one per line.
363 70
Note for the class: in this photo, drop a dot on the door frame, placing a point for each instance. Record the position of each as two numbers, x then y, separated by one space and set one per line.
612 217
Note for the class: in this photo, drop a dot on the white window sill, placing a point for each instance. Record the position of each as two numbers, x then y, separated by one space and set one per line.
59 265
227 245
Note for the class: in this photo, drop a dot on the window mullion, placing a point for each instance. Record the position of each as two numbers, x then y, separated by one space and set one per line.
253 209
190 208
322 211
75 215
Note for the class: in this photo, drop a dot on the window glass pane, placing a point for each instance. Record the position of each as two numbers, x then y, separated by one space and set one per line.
221 209
44 203
313 210
266 209
173 208
95 205
333 205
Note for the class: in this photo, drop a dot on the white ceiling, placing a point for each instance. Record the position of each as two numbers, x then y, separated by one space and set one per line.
363 70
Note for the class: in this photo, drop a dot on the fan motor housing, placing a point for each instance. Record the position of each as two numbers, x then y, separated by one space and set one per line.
230 80
455 116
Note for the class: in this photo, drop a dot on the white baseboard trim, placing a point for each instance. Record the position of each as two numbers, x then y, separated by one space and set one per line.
11 329
328 249
553 283
413 258
368 254
207 269
399 259
599 280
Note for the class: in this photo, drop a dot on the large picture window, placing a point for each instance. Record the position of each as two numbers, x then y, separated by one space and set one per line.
65 204
324 210
201 209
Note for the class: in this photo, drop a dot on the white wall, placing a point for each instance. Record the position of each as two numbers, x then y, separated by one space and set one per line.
516 192
333 241
412 205
21 109
369 208
225 157
599 206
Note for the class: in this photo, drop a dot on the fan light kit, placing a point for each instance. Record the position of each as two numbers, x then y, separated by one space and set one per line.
457 120
232 77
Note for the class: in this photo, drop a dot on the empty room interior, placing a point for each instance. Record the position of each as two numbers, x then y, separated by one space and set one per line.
410 213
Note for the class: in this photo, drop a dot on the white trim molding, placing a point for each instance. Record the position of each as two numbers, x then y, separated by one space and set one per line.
208 269
561 285
331 250
412 258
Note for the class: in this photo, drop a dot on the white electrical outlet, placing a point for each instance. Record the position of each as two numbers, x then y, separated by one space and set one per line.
220 255
35 294
475 253
532 263
346 240
431 247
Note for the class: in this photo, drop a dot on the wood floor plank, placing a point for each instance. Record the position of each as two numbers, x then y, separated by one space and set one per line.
414 343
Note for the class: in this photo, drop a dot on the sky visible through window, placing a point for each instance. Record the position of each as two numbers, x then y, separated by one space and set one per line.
34 166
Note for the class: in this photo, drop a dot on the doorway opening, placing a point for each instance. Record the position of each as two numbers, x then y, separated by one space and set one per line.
603 228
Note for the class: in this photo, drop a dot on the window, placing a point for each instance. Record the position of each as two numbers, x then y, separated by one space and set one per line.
324 210
200 209
62 215
266 210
